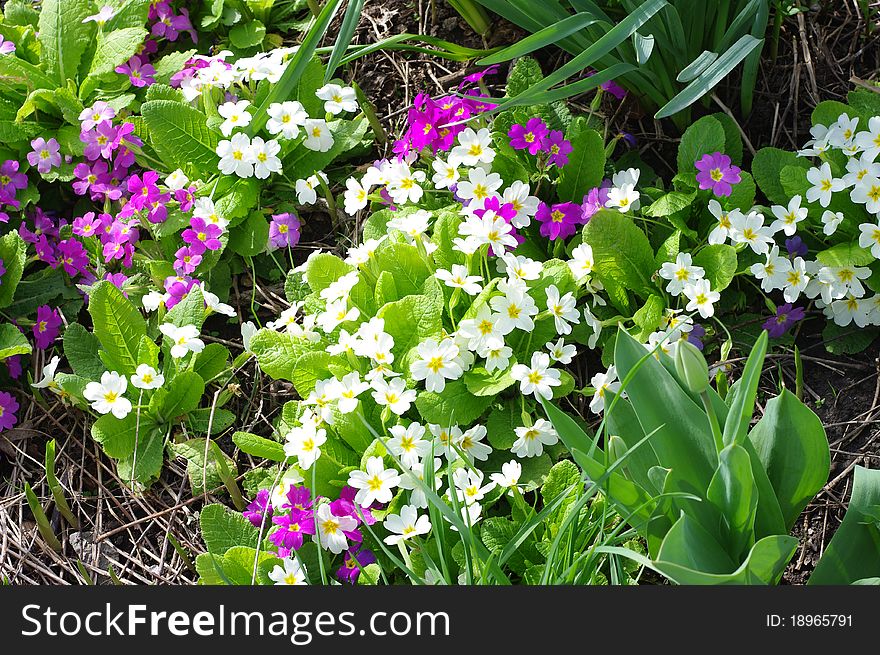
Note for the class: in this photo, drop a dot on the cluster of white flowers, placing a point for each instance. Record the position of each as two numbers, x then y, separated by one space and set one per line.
247 157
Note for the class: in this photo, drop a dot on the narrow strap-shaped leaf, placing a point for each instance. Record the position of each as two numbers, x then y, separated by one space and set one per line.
711 76
742 405
343 39
743 20
297 64
697 66
548 36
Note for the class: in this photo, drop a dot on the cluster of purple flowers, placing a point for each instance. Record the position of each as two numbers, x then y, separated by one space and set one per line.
716 172
295 520
536 137
11 182
561 220
435 124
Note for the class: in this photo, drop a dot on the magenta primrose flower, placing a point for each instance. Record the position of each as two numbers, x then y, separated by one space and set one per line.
6 47
558 148
202 234
292 529
529 136
11 181
73 257
259 508
284 231
170 25
46 154
559 221
139 74
717 173
46 328
8 407
187 260
13 366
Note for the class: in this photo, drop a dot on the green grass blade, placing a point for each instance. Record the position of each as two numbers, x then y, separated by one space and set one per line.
711 76
56 488
697 66
41 519
550 35
343 39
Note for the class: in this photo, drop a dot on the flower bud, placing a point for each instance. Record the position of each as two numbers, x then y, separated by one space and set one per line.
691 366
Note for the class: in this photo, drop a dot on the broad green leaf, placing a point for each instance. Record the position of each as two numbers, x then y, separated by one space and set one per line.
64 37
277 352
211 362
223 529
189 311
791 443
117 436
146 465
118 325
247 34
704 137
719 263
259 446
623 257
81 349
411 320
179 396
407 266
585 168
732 490
482 383
202 463
670 203
742 399
767 167
115 48
854 551
12 342
324 269
13 250
181 137
455 406
250 237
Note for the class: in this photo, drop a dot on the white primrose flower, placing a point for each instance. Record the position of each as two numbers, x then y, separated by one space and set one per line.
47 381
322 397
750 229
581 263
306 190
858 169
469 487
410 479
304 442
530 441
355 197
848 310
213 302
318 135
701 298
458 278
795 280
236 156
681 273
405 184
412 225
831 221
337 312
842 133
248 330
660 342
184 339
473 148
537 378
347 390
146 377
560 351
629 176
869 140
176 180
471 443
847 280
562 309
723 228
108 395
153 300
509 476
341 288
595 324
406 525
445 174
444 440
516 309
331 529
479 186
773 272
485 330
519 267
106 13
436 364
869 237
603 383
497 359
526 205
393 394
824 184
337 99
624 198
236 115
374 484
205 208
289 572
286 118
408 444
265 157
867 193
361 254
289 479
